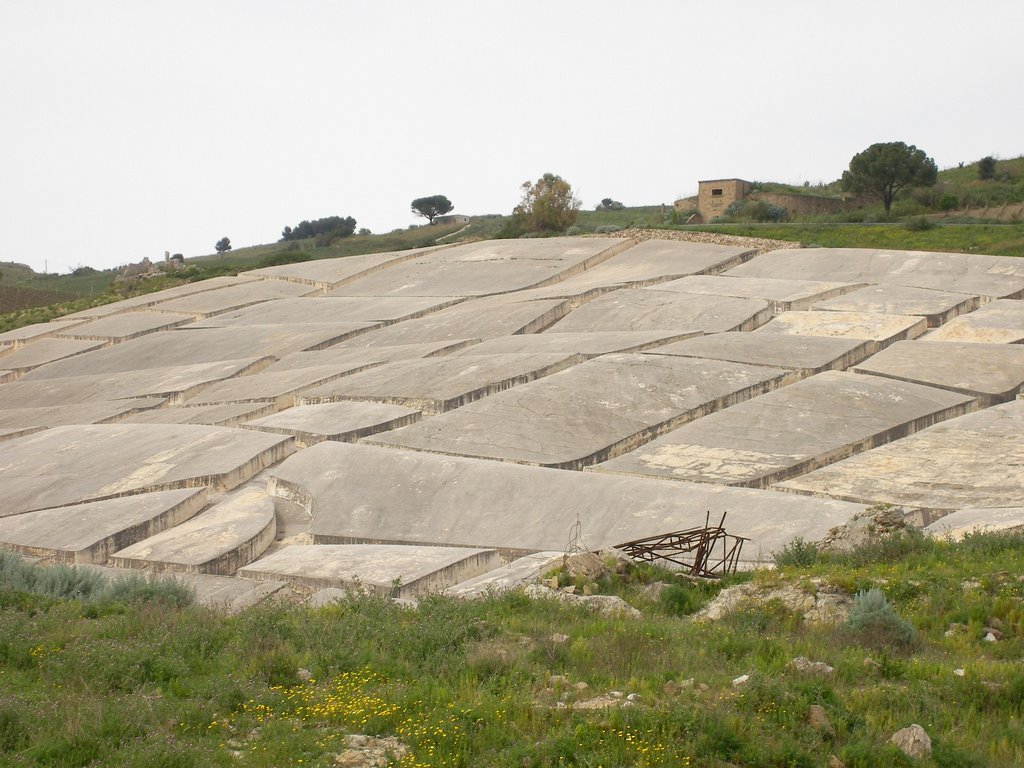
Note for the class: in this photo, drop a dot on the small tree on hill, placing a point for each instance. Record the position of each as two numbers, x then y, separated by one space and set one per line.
223 246
431 207
885 170
987 168
607 204
548 205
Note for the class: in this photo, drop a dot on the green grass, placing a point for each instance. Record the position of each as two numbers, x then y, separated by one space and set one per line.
994 239
119 682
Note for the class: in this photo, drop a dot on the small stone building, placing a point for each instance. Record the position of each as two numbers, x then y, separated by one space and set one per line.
714 196
451 218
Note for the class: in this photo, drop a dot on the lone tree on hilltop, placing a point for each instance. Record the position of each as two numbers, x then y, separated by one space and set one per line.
607 204
987 168
884 170
548 205
431 207
223 246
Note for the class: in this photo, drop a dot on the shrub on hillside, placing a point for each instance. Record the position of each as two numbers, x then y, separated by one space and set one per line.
874 622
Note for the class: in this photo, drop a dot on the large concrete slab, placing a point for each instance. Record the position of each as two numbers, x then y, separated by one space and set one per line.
971 461
43 351
781 295
438 384
90 532
648 263
387 569
802 354
590 412
649 309
151 299
366 356
370 311
278 387
68 465
957 525
937 307
187 346
225 415
174 384
229 535
586 344
881 330
489 267
124 326
1000 322
360 493
244 294
330 273
483 318
792 430
96 412
345 422
10 433
991 277
992 373
21 336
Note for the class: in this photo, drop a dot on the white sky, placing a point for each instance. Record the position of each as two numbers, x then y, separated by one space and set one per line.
131 128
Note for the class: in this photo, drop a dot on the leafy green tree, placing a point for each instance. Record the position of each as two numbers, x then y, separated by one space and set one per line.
431 207
328 229
548 205
987 168
607 204
885 170
223 246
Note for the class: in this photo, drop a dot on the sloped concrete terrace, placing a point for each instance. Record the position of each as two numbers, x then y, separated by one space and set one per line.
429 417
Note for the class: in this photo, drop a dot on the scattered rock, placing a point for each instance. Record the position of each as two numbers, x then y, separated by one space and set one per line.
670 688
703 687
687 683
991 638
370 752
956 629
913 742
835 762
818 719
304 675
959 672
871 664
870 525
760 244
559 639
814 600
995 622
970 584
580 687
634 697
740 681
995 633
556 681
586 565
801 664
653 591
607 605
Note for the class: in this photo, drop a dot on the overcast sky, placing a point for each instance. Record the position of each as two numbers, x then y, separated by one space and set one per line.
133 128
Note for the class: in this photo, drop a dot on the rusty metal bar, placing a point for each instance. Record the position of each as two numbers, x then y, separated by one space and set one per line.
691 549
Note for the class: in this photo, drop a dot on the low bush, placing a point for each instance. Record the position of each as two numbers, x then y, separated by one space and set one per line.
798 553
873 622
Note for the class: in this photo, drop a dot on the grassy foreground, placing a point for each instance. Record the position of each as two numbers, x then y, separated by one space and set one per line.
136 678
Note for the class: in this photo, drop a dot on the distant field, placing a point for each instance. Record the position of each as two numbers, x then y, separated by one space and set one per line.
994 239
